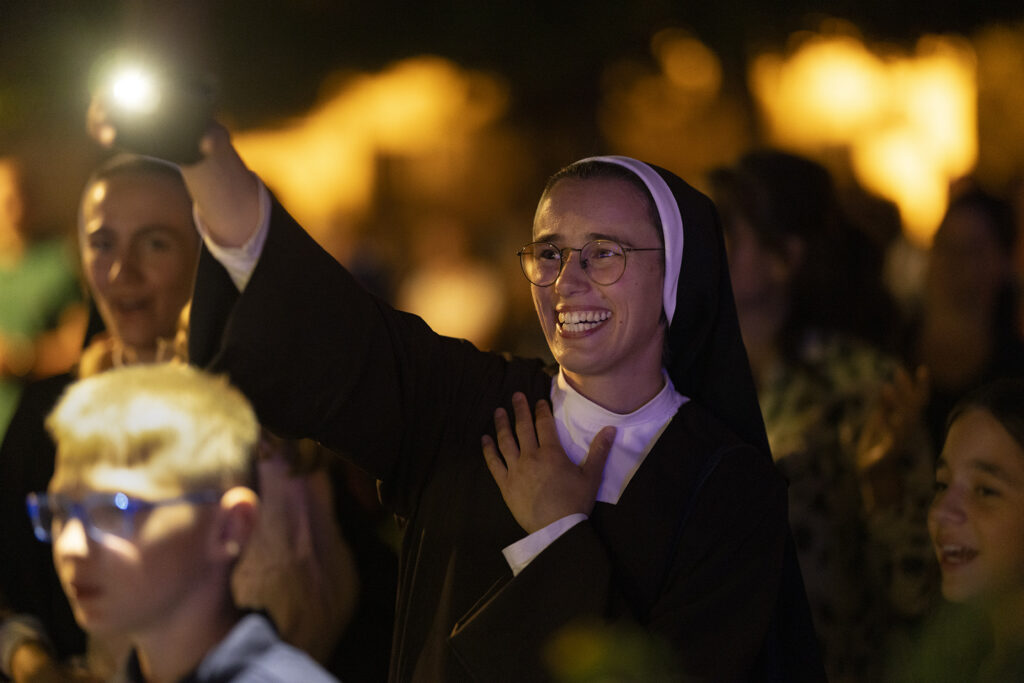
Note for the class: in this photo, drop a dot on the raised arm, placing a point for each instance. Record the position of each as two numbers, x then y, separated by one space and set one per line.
225 191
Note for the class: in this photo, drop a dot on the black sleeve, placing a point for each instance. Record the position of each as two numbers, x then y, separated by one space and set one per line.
713 612
322 358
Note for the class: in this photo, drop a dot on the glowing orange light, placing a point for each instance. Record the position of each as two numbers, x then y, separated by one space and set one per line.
465 301
1000 54
825 93
939 95
674 115
910 123
897 166
687 63
324 164
425 114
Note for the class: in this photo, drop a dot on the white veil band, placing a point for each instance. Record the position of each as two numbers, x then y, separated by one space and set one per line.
671 222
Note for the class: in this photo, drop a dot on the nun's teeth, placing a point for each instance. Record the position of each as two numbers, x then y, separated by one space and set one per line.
583 316
580 321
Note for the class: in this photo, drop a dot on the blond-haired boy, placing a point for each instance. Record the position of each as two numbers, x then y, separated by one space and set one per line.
151 503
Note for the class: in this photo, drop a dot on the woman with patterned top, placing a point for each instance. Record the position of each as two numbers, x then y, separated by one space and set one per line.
842 417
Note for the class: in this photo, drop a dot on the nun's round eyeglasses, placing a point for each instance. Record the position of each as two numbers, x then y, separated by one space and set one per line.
604 261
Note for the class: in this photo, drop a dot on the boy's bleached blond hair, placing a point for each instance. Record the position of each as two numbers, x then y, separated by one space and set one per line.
184 426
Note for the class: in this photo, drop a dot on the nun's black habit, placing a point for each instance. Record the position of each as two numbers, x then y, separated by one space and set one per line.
696 550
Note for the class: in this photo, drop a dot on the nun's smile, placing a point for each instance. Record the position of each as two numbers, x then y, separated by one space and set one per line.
579 322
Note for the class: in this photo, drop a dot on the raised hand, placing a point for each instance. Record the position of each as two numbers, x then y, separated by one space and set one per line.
897 413
538 481
98 123
224 190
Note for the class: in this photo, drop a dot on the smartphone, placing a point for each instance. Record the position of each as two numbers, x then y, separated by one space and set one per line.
160 114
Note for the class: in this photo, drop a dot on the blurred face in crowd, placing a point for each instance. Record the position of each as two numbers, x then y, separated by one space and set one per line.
976 520
610 331
139 252
967 266
130 583
760 275
762 282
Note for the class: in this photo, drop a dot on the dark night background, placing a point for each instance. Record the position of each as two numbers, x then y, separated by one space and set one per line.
270 59
269 56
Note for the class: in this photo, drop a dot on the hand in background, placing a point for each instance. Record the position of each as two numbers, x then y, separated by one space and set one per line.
897 413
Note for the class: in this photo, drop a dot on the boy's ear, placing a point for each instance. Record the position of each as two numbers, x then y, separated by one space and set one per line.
236 521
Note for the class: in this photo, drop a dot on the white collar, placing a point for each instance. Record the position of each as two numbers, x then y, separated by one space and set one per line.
578 419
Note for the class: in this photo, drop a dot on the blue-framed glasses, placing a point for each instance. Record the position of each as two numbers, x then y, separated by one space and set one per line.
101 514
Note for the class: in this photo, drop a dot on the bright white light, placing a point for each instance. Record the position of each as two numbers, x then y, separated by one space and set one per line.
135 91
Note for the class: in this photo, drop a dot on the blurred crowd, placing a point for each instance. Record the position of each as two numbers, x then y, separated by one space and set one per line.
857 365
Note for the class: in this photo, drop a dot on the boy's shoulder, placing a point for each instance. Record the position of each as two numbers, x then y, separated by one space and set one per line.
253 652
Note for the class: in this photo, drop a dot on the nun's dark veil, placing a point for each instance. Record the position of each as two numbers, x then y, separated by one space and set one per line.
708 363
706 357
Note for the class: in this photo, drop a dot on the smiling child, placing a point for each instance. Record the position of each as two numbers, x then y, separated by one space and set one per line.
977 519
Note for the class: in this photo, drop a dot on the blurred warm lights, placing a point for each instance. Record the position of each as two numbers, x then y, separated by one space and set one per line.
414 125
674 116
940 95
824 94
909 123
894 166
12 204
687 63
1000 51
462 299
323 165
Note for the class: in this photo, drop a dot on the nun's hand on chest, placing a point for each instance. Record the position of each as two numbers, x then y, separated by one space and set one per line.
538 481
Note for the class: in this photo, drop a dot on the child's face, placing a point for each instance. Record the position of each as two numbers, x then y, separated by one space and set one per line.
133 584
976 520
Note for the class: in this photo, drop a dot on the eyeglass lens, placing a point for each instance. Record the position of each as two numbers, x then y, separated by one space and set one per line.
102 513
602 260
